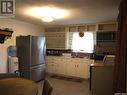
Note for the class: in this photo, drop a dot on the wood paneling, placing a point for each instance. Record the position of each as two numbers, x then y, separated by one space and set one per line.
121 56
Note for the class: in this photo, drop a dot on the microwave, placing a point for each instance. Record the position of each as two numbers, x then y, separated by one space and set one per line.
108 36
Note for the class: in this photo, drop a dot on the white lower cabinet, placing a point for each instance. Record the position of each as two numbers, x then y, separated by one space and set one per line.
62 68
78 70
81 70
75 67
70 69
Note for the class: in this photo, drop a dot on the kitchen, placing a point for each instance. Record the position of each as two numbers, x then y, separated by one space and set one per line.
61 60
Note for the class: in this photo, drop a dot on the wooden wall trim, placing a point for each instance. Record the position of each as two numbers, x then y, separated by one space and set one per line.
121 56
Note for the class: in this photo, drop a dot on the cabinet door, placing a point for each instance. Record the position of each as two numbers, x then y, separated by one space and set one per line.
50 68
55 66
50 65
80 70
76 63
77 68
62 67
55 39
70 68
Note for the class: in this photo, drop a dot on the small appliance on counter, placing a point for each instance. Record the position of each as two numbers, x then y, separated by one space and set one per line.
109 60
98 56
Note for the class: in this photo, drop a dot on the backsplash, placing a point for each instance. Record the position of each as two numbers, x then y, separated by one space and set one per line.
105 48
80 55
57 52
61 52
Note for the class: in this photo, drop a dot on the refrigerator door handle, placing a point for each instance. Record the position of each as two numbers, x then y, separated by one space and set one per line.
44 50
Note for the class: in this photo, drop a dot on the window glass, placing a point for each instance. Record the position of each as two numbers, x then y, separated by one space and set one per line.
83 44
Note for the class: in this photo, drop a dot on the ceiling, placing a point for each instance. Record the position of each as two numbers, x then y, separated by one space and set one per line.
80 11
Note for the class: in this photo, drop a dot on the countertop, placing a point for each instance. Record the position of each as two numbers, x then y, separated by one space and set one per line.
100 64
69 57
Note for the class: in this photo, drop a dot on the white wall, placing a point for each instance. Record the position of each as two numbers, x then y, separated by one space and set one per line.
19 28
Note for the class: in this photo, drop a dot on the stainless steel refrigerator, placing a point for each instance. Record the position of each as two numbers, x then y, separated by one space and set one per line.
31 51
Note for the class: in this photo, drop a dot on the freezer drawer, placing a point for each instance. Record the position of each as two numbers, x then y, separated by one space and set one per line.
37 73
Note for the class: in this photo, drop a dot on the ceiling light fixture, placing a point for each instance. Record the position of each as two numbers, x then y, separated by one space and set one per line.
47 19
47 11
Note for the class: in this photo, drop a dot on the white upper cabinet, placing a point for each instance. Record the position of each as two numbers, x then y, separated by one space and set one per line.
55 38
107 27
61 37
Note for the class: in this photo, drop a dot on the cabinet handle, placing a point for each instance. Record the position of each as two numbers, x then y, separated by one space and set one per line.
76 65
